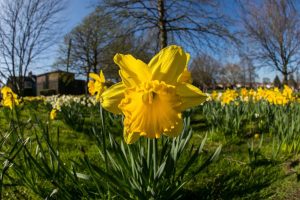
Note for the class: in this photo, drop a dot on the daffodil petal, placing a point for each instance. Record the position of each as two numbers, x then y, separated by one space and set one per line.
130 137
111 98
53 114
91 87
132 70
126 81
94 76
9 98
6 91
190 95
168 64
102 77
188 57
186 75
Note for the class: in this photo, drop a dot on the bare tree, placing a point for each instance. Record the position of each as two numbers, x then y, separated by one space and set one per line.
27 29
205 71
64 60
83 53
91 45
272 29
196 23
298 78
231 74
249 74
141 48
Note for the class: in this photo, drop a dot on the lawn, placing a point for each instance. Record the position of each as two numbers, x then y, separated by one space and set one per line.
246 167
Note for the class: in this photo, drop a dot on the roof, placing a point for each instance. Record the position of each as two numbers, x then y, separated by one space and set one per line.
56 71
26 78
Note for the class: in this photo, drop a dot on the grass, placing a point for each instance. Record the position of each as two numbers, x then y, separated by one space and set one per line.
72 146
237 174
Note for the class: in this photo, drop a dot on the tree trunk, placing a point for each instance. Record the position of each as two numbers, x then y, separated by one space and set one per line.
162 25
285 75
69 54
250 78
21 85
285 79
88 71
87 81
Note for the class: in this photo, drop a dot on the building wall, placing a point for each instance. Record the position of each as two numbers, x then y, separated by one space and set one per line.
66 81
40 80
59 83
53 81
47 82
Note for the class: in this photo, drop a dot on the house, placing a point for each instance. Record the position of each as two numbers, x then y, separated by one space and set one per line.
59 82
29 84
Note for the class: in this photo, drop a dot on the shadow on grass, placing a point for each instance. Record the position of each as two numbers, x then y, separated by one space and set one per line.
198 122
236 182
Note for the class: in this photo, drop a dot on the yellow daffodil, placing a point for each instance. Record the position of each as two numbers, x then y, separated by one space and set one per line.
96 86
272 96
252 94
244 94
53 114
9 98
287 92
152 96
214 95
228 96
186 75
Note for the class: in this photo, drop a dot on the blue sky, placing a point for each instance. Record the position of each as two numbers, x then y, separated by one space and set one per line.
74 13
230 8
76 10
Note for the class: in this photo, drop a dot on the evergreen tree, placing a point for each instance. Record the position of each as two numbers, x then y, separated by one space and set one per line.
277 82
